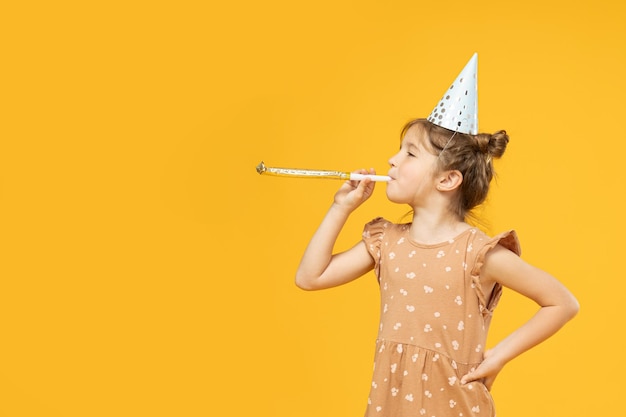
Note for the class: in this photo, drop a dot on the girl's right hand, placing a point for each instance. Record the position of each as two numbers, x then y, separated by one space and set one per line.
354 193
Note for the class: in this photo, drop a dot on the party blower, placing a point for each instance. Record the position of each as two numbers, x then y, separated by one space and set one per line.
317 173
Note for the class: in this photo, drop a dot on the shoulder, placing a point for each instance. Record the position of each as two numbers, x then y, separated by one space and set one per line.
489 251
502 259
379 226
485 243
379 230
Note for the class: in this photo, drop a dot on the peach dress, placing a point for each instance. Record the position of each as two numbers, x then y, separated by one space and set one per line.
434 320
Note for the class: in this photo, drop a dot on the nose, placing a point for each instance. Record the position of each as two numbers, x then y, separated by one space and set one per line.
391 161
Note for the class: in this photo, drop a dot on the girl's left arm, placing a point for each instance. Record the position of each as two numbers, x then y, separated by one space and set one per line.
557 307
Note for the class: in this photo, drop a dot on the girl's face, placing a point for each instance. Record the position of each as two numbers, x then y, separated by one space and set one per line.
412 170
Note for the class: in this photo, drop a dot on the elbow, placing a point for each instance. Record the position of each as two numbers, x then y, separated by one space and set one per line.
574 307
571 307
304 283
304 286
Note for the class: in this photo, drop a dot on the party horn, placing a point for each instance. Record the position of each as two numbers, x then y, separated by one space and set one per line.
317 173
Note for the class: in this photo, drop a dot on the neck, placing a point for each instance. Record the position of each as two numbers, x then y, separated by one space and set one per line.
435 226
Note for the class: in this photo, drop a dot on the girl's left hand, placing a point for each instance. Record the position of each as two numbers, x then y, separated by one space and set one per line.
486 371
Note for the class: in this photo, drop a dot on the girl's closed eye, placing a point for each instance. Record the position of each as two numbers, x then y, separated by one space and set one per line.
412 151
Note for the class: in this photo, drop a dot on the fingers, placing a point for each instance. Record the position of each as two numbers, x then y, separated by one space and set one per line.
479 376
361 172
469 377
474 375
362 188
367 183
355 183
353 193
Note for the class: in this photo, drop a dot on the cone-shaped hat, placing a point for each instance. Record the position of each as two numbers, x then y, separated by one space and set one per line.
458 108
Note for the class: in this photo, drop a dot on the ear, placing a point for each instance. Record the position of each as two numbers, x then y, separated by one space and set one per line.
449 180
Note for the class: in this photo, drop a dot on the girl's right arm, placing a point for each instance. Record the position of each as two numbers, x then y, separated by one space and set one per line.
319 267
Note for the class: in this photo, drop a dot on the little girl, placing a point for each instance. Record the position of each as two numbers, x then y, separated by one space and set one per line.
440 278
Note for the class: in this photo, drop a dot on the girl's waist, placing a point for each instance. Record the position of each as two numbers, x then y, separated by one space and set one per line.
461 361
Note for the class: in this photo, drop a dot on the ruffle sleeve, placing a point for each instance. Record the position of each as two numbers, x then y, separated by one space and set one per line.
488 303
373 234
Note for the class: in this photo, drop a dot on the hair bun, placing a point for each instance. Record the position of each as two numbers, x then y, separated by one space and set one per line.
497 144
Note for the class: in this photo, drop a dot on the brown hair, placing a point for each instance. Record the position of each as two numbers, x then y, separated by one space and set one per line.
472 155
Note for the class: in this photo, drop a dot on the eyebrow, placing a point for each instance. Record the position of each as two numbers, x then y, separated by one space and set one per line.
411 145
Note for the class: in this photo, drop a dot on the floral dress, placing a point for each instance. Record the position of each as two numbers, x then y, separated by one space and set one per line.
434 319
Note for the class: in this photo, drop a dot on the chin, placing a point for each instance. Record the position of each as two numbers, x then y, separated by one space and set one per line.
393 198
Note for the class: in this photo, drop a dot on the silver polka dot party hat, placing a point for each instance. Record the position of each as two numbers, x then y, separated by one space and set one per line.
458 108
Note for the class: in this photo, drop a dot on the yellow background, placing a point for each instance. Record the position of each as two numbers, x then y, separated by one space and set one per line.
146 269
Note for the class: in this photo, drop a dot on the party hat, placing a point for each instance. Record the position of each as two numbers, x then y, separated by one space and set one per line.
458 108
